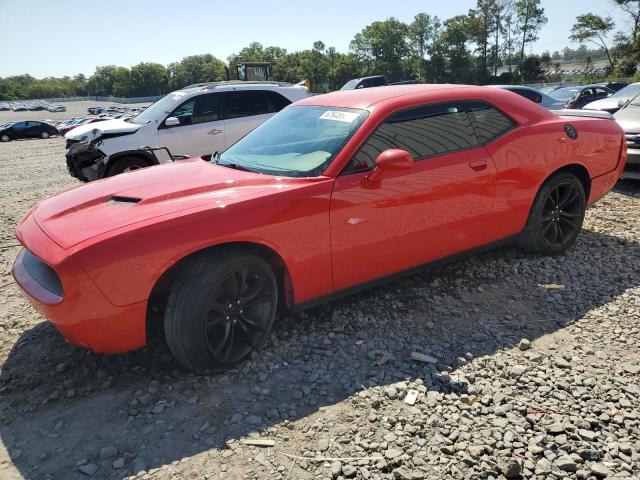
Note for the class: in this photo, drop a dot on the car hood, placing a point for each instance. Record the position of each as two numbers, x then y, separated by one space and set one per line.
84 212
604 104
91 131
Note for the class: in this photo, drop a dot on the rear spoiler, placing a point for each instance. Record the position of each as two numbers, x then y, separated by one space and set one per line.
583 113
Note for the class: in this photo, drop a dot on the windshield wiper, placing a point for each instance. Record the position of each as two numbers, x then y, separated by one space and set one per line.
237 166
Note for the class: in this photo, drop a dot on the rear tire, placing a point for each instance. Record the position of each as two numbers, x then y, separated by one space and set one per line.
44 135
220 309
556 216
126 164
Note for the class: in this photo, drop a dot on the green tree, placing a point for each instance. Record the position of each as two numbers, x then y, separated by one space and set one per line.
530 20
594 29
423 32
531 69
453 53
381 48
632 9
195 69
148 79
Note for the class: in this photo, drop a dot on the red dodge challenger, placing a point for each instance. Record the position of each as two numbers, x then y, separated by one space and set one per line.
334 193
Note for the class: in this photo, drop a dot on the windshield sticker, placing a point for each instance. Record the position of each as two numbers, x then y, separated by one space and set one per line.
338 116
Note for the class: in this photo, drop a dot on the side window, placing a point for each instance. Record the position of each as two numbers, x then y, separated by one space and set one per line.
488 122
276 101
184 112
200 109
20 126
587 93
601 92
530 94
244 103
423 132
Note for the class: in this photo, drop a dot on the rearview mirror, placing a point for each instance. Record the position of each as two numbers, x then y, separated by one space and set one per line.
171 122
390 160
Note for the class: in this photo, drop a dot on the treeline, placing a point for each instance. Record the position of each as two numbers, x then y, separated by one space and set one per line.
487 44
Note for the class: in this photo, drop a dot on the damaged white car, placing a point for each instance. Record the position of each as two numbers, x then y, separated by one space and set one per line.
197 120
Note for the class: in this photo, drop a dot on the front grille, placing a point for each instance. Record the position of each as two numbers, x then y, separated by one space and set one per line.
42 273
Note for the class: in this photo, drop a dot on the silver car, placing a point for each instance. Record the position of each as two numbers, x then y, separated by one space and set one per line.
535 96
613 103
629 119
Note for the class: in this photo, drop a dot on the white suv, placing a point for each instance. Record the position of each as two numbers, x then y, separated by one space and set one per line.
197 120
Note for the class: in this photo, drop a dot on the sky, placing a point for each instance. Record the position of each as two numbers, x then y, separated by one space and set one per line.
74 36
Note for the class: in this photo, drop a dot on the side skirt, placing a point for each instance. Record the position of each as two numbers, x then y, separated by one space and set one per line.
399 275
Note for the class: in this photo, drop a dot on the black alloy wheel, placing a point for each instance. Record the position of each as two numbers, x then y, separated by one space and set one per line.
220 309
562 214
556 216
239 314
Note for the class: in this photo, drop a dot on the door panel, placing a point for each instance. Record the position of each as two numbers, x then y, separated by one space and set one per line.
442 206
201 130
236 128
192 140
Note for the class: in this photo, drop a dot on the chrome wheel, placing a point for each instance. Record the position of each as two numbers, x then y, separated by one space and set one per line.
5 138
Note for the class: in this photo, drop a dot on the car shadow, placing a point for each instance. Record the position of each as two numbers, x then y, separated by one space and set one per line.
61 405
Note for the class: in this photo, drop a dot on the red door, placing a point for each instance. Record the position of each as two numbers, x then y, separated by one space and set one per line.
442 206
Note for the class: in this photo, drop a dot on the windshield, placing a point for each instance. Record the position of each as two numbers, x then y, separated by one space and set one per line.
158 109
300 141
628 91
564 93
635 101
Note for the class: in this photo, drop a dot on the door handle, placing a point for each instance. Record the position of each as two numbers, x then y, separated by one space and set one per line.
478 164
215 131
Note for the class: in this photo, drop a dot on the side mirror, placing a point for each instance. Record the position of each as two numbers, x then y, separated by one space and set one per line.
171 122
390 160
622 102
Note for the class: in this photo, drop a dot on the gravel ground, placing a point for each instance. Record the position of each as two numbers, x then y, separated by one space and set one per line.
523 367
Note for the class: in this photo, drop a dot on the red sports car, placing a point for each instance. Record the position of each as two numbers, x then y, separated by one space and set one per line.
334 193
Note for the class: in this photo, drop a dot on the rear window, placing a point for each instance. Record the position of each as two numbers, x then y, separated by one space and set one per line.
244 103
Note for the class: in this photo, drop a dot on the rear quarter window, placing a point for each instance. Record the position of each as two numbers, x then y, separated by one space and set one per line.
488 122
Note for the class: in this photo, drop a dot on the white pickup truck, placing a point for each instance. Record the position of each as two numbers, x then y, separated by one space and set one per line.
197 120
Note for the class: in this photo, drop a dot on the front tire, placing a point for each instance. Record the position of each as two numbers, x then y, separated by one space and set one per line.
5 138
556 216
126 164
220 310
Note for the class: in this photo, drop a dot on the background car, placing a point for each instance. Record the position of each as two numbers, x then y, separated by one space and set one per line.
615 86
66 128
199 119
613 103
56 108
536 96
629 119
27 129
578 97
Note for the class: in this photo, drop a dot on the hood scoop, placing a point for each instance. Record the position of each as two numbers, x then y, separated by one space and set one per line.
118 199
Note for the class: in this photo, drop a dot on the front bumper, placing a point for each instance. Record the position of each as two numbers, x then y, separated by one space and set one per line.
82 314
85 161
632 168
